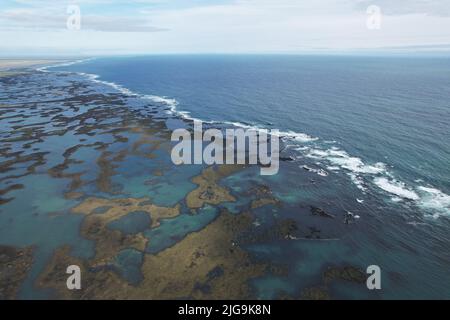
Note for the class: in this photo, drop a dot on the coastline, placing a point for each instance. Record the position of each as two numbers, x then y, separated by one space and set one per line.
98 200
107 139
328 156
11 67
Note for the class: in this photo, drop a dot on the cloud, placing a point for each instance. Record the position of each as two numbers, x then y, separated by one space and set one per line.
45 15
33 21
234 26
402 7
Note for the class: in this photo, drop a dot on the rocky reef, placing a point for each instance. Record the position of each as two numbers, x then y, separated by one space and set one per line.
209 191
92 166
205 265
14 266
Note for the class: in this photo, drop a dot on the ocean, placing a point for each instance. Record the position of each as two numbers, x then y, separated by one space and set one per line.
383 122
367 135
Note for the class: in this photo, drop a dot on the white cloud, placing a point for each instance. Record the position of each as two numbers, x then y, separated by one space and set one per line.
54 18
239 26
401 7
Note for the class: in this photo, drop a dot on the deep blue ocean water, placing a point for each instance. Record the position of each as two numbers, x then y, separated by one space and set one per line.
383 121
379 126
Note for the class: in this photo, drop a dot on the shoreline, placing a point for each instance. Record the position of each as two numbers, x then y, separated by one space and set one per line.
332 157
129 136
11 67
362 173
130 177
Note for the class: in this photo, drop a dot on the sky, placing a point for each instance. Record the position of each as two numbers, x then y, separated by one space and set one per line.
112 27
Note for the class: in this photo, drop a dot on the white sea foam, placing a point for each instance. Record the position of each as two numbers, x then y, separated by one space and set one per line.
164 100
358 181
172 103
343 160
397 188
435 201
64 64
302 148
431 200
318 171
298 136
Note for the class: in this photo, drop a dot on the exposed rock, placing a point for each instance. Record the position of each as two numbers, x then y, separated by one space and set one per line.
14 266
315 293
100 212
209 191
282 230
288 159
205 265
263 202
348 273
321 213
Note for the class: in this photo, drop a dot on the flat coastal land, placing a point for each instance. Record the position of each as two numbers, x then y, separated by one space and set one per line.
13 66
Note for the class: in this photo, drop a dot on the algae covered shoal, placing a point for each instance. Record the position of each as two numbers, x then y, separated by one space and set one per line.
86 179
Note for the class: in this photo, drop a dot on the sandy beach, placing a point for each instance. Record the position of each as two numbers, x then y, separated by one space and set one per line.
10 67
9 64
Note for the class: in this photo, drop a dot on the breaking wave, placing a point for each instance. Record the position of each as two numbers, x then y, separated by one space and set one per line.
432 201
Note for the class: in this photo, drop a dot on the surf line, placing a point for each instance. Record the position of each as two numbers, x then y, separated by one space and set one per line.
238 146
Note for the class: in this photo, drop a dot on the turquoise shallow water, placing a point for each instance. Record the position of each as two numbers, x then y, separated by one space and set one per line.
382 121
378 126
174 230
